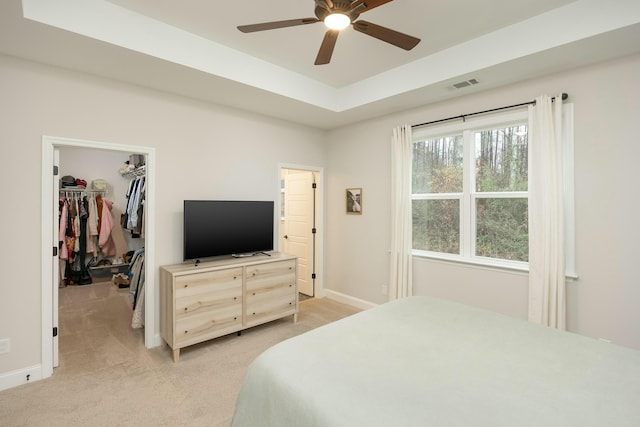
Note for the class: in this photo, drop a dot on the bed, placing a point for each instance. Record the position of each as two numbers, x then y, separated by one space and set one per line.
423 361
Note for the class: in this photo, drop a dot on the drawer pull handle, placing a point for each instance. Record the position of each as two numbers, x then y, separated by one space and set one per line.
254 294
235 298
186 309
186 332
254 314
186 286
235 318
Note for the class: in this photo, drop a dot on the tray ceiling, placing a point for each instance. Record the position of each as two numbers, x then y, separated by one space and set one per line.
193 48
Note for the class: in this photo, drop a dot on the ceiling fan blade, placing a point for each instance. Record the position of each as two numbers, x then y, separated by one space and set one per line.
326 49
393 37
367 4
276 24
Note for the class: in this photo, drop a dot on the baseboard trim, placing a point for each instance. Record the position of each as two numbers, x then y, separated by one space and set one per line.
347 299
157 341
20 377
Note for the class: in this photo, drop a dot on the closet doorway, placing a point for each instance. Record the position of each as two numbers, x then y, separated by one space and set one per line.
50 272
299 222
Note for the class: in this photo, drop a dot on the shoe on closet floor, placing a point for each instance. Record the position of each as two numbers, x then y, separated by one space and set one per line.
120 279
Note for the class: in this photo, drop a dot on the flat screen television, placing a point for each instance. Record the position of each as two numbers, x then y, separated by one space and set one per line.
215 228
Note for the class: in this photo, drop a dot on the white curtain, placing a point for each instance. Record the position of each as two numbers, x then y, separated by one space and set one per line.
546 216
400 285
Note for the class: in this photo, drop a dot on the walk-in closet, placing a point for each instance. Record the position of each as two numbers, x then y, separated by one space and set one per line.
101 256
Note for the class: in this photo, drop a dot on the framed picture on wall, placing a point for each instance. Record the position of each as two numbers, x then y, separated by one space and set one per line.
354 201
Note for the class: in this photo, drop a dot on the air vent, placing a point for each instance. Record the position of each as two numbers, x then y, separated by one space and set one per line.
465 83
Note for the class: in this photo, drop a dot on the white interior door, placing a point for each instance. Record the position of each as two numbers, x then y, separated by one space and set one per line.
298 224
56 258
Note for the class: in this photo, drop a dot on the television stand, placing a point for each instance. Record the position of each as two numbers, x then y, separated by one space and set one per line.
250 254
225 296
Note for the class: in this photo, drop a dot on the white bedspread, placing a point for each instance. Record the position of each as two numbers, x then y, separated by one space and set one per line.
422 361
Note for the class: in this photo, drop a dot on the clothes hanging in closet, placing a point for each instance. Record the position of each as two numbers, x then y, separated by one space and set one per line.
133 217
105 239
136 288
73 216
80 232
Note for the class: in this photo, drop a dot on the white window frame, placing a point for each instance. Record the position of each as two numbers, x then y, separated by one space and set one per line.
469 196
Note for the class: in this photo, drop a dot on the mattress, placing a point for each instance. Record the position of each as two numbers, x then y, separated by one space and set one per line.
423 361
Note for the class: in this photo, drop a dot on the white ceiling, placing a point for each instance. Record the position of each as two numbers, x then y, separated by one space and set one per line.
439 23
192 47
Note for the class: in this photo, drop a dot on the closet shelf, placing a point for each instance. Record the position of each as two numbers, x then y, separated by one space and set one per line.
133 173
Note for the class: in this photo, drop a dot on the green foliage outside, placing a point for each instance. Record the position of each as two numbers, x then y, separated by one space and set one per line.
437 168
501 166
436 225
502 229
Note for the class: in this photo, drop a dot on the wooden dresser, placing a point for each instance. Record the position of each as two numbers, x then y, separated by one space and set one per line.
220 297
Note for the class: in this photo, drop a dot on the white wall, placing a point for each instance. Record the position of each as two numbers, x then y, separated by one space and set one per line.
603 302
205 151
202 151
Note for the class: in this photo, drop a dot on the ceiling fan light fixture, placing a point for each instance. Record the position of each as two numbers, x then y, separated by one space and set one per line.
337 15
337 21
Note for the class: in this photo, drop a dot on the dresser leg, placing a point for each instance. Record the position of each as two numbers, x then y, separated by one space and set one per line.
295 318
176 355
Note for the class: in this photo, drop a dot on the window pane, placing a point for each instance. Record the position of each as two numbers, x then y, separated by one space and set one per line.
502 229
436 225
501 159
437 165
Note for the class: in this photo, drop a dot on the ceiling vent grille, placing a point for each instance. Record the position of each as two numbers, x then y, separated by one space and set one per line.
465 83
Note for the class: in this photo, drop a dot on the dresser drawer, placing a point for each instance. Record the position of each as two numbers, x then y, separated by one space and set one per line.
270 303
210 281
276 291
271 275
206 325
217 296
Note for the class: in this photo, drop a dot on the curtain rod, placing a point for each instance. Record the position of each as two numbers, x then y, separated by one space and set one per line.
464 116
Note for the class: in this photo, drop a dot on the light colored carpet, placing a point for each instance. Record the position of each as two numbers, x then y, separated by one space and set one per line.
107 378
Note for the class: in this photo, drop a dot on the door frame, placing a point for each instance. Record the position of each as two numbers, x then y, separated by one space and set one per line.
308 179
55 265
319 283
49 144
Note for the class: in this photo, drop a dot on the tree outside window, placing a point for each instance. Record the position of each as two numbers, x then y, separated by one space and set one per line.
469 191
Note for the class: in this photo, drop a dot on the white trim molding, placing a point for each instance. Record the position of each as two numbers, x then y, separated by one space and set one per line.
320 220
21 376
49 144
347 299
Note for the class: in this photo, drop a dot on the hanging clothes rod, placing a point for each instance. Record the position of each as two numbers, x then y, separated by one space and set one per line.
76 191
464 116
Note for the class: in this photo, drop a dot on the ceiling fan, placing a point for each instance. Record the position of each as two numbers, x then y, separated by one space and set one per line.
337 15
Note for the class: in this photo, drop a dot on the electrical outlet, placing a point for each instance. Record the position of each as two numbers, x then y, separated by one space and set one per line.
4 346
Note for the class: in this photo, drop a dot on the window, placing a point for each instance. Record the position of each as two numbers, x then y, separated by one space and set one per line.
469 191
